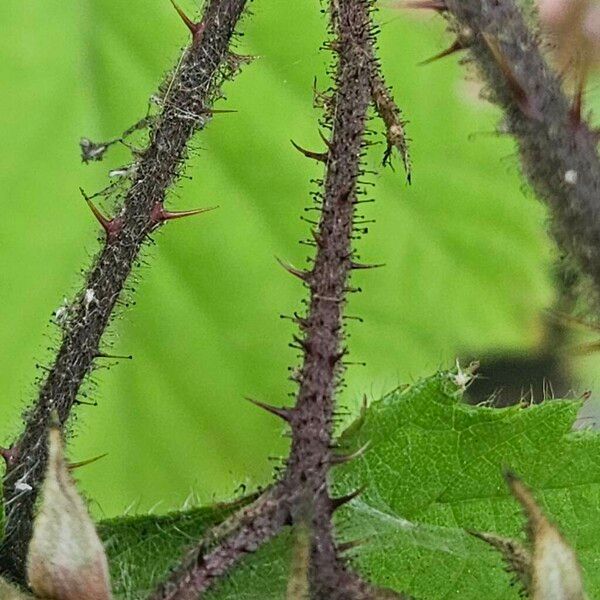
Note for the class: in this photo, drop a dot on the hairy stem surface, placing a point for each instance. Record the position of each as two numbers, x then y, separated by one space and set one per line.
186 109
303 490
558 149
311 420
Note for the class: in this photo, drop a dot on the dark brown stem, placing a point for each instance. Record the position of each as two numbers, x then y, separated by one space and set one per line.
186 101
558 150
308 465
304 487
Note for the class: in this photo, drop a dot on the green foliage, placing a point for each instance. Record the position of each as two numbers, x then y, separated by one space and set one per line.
433 470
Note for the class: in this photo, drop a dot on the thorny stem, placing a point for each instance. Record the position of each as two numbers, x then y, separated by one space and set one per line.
558 150
186 109
303 489
311 420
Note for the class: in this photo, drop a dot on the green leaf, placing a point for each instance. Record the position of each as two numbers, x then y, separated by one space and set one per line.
433 470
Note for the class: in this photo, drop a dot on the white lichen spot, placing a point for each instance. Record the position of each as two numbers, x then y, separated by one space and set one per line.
571 177
89 297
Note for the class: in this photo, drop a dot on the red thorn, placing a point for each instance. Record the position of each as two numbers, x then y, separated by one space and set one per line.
514 85
282 413
456 46
196 29
299 273
159 215
336 503
340 459
320 156
111 226
437 5
359 266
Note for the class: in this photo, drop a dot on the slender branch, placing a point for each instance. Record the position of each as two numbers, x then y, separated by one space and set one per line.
558 149
186 103
310 456
304 487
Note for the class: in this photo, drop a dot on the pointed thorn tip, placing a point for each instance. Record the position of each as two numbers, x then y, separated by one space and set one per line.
456 46
340 459
320 156
159 215
196 29
340 501
299 273
282 413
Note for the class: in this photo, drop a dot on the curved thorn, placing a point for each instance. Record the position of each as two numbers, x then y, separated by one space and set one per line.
339 459
456 46
338 502
188 22
514 85
320 156
169 215
299 273
301 342
159 215
282 413
96 212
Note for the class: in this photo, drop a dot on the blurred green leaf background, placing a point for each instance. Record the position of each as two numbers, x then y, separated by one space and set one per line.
467 259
